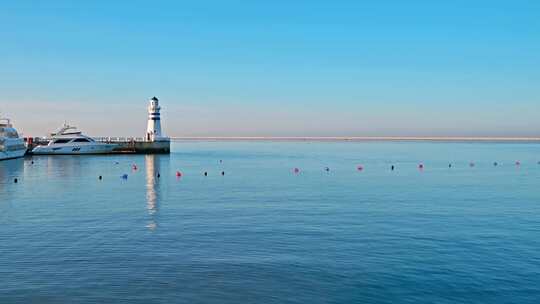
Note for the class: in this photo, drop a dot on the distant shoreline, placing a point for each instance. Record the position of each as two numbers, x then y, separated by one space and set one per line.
364 138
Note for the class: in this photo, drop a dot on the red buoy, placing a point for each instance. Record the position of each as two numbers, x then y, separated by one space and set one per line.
360 168
134 167
178 174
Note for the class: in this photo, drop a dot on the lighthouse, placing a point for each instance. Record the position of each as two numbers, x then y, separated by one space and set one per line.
153 131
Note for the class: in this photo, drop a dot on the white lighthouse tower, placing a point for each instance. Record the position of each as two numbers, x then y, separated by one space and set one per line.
153 131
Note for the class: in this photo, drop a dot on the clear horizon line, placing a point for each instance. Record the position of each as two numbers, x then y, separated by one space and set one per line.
364 138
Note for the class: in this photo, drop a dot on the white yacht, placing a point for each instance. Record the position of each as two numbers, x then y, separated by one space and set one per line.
11 145
69 140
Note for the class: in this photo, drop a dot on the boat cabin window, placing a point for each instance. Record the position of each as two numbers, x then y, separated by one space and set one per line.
62 141
9 133
81 140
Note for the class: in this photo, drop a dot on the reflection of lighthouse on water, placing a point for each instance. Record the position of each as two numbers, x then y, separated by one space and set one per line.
152 188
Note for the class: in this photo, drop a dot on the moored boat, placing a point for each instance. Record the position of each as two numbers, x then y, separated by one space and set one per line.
69 140
11 145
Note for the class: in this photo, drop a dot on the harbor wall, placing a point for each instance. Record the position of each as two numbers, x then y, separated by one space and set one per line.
144 147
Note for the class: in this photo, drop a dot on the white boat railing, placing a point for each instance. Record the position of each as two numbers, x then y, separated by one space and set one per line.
118 139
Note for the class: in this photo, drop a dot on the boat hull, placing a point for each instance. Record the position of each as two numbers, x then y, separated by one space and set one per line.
5 155
74 150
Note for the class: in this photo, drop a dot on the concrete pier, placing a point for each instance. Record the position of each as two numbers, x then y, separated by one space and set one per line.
143 147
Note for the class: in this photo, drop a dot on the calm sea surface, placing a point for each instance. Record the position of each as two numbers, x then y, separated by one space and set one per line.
263 234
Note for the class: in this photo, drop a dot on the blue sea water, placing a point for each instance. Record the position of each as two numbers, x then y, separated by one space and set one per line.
263 234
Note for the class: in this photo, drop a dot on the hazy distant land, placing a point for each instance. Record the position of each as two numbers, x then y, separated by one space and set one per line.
364 138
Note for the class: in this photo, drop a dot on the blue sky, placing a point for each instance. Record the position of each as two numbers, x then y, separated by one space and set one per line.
282 68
